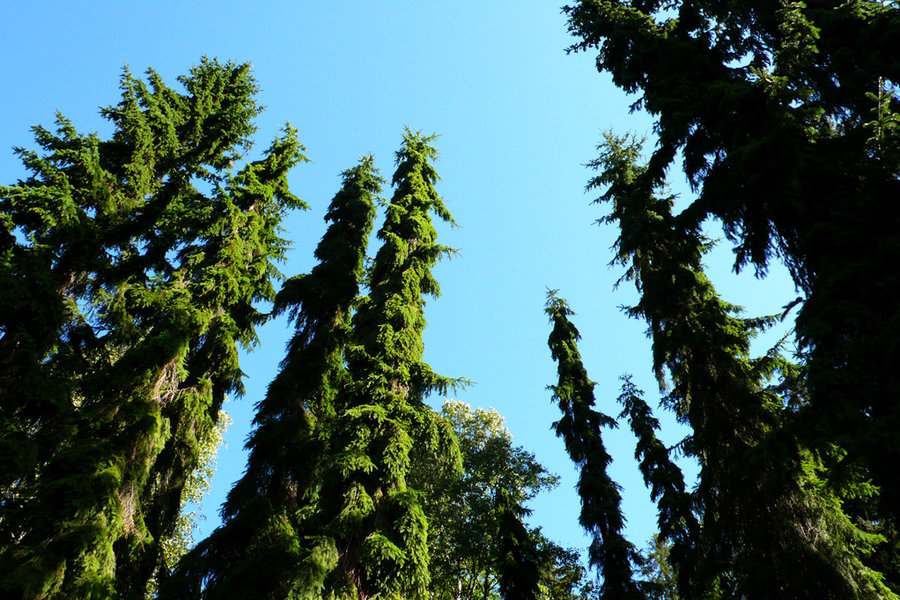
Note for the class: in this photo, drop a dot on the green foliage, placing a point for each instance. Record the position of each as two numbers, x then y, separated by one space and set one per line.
518 562
375 518
769 519
196 487
198 484
563 576
601 513
324 509
130 271
464 521
261 549
785 115
679 527
659 579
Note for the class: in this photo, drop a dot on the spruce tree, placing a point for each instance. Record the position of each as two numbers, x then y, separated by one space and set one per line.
601 512
325 505
138 260
770 525
260 550
785 114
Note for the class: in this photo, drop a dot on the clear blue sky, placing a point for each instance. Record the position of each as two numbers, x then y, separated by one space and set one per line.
518 119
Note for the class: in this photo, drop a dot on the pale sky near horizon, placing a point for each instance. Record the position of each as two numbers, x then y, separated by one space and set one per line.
518 119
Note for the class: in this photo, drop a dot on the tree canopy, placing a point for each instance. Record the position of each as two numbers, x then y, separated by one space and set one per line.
477 535
135 267
782 116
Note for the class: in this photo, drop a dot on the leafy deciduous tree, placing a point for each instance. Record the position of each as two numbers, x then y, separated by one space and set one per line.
464 520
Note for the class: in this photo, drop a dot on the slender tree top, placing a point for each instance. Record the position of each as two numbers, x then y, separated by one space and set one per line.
367 520
601 513
389 323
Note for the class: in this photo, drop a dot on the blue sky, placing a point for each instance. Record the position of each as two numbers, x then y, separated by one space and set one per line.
518 119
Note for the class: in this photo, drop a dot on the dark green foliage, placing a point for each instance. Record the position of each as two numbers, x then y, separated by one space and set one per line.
324 509
130 271
260 550
518 561
770 524
786 117
678 523
601 513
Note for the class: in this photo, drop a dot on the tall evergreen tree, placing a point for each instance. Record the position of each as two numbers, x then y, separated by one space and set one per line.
770 525
260 550
372 519
601 512
325 498
126 290
786 116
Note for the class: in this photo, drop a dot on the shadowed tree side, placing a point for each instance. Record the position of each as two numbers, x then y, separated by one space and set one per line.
770 525
678 523
518 560
786 117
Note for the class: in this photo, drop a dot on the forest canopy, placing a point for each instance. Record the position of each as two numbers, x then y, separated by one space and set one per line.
138 267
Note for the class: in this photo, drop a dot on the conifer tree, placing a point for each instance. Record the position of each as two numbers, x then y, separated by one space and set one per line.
770 525
372 521
601 513
786 116
678 522
259 550
518 561
135 287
